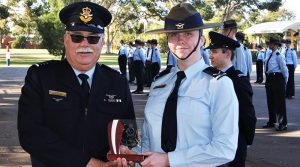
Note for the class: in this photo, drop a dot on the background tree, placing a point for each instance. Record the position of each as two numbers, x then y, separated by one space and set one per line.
3 22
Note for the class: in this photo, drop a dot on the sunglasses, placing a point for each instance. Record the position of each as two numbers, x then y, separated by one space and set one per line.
77 38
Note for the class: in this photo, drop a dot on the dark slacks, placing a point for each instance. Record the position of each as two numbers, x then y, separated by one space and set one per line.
259 71
138 72
131 69
122 60
241 153
275 89
148 73
290 86
154 70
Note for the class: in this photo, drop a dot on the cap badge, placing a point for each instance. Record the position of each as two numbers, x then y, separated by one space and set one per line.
179 26
86 15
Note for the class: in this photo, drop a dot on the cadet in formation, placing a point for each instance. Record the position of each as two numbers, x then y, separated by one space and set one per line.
221 55
276 79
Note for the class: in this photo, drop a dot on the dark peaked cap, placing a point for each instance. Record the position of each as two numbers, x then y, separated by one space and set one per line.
183 17
85 16
218 40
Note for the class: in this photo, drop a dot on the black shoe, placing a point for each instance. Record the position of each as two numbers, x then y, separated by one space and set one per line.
281 127
256 82
268 125
137 92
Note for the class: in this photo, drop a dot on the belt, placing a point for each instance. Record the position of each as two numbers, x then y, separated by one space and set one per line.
274 74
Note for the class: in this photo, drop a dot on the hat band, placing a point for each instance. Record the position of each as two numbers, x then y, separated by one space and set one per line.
193 21
85 27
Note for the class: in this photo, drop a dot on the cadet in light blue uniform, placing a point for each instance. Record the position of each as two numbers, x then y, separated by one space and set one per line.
229 29
248 56
291 63
122 59
139 60
259 64
191 116
155 59
277 76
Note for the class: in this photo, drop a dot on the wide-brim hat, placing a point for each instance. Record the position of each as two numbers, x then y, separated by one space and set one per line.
183 17
85 16
229 24
218 40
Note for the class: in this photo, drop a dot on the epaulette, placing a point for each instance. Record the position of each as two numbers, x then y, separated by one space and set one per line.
163 73
240 73
41 64
110 69
214 72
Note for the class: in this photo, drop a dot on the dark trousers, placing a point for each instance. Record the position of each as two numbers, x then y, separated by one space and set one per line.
241 153
138 72
275 89
131 69
122 60
148 73
36 163
154 70
259 71
290 86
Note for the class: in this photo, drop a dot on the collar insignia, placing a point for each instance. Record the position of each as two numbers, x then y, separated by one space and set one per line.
112 99
179 26
86 15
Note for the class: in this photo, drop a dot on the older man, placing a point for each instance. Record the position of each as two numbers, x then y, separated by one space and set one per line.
65 106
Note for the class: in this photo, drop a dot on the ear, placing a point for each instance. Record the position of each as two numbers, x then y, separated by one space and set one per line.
202 40
65 39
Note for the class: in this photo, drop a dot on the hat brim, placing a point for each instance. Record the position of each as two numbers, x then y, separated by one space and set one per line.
205 26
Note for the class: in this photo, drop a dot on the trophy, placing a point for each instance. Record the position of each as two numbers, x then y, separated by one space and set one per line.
122 132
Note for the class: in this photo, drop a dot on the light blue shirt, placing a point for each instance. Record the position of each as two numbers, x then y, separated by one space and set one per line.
155 56
131 51
139 54
205 55
267 52
291 57
148 53
123 50
207 118
171 61
239 60
260 55
248 58
277 64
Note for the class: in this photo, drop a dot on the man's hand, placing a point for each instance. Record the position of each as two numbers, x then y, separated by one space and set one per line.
155 160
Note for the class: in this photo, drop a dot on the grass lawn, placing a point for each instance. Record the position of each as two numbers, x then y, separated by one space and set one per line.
27 57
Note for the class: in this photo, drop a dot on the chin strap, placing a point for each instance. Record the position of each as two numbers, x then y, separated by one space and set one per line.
191 51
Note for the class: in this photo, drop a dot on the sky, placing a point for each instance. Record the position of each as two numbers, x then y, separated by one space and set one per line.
293 5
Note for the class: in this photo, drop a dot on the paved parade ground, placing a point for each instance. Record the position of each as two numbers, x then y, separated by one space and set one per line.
270 148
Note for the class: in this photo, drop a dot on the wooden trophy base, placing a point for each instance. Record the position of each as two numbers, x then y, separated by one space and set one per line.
128 157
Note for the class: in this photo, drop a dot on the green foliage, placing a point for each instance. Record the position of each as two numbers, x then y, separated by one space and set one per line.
52 31
19 43
163 43
3 12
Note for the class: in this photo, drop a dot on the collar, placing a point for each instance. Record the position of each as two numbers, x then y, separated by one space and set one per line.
90 73
226 68
191 71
